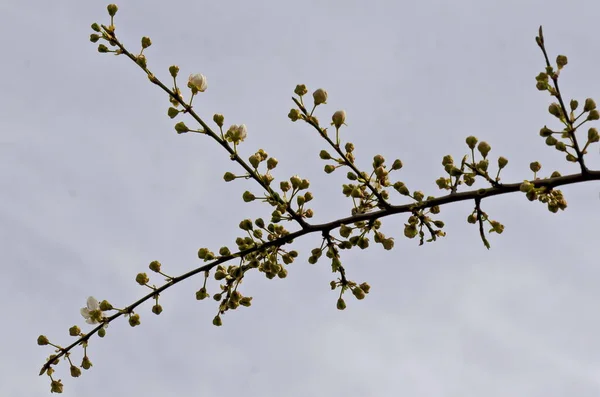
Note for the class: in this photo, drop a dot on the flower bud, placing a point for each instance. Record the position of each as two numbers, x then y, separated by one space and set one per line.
142 278
484 148
155 266
300 90
75 372
472 219
358 293
397 164
341 305
42 340
146 42
94 37
228 177
593 115
102 48
535 166
329 169
56 386
157 309
197 82
134 320
181 127
338 118
502 162
174 69
219 119
95 27
86 363
378 160
272 163
74 331
418 195
388 243
555 110
320 97
593 135
589 105
573 104
561 61
471 142
112 9
102 332
217 321
248 197
401 188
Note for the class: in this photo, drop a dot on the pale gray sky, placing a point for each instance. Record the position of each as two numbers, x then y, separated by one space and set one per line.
96 184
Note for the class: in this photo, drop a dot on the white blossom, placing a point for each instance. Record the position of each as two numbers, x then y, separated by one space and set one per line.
197 81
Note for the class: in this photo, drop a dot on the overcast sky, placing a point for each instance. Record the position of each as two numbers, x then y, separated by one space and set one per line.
96 184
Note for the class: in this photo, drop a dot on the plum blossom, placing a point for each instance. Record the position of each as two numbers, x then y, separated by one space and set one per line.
92 312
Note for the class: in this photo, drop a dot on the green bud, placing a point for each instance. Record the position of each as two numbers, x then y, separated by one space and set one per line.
254 160
86 363
545 132
272 163
246 301
472 219
246 224
484 148
560 146
401 188
329 169
174 69
589 105
285 186
593 115
217 321
471 142
324 155
228 177
358 293
561 61
248 197
573 104
134 320
142 278
593 135
146 42
157 309
410 230
502 162
102 48
320 97
94 37
294 115
260 223
304 184
442 183
172 112
555 174
42 340
56 386
349 146
570 158
526 186
535 166
300 90
388 244
75 372
555 110
102 332
74 331
95 27
112 9
155 266
341 305
181 127
397 164
378 160
105 306
551 141
201 294
141 60
224 251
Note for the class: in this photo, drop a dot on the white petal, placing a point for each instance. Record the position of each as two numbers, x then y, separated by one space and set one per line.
85 312
92 303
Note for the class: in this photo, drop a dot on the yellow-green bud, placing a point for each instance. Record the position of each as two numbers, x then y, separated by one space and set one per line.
228 177
181 127
535 166
96 27
358 293
341 305
554 109
320 97
172 112
201 294
56 386
442 183
378 160
102 48
338 117
555 174
142 278
155 266
484 148
86 363
75 372
254 160
388 243
329 169
593 135
349 146
593 115
42 340
248 197
545 131
397 164
561 146
589 105
472 218
74 331
471 142
246 301
112 9
94 37
294 114
551 141
401 188
502 161
102 332
561 61
526 186
217 321
573 104
410 230
272 163
447 160
146 42
418 195
333 285
300 90
323 154
365 287
174 69
134 320
141 60
224 251
282 273
219 119
571 158
157 309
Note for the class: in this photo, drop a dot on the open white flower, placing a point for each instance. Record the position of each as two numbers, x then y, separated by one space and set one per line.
197 81
236 133
92 312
